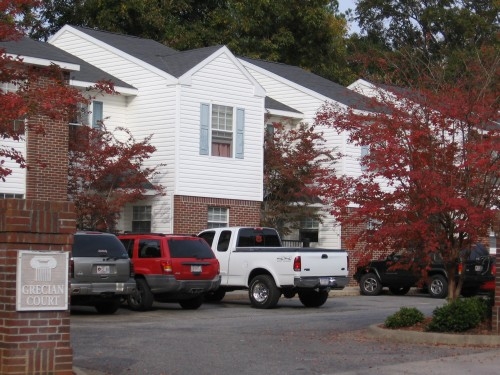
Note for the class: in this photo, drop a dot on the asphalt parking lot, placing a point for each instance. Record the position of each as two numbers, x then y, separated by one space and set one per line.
234 338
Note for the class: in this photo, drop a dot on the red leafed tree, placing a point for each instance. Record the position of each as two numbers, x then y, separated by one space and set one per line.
21 98
106 171
430 182
296 162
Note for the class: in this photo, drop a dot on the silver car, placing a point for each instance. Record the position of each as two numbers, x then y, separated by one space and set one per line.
101 271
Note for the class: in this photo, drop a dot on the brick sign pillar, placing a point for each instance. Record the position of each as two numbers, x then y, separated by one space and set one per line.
36 340
495 319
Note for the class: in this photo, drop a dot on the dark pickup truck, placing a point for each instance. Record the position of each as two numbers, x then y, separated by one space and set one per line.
397 273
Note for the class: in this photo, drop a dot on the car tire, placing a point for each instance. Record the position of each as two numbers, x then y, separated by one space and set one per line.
108 307
141 299
313 298
399 290
438 286
192 303
370 285
263 292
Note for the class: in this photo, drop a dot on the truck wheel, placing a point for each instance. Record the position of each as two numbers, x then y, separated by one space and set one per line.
142 299
370 285
263 292
313 298
399 291
438 286
192 303
108 307
215 296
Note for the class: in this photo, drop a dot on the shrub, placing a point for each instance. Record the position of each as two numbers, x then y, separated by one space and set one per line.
405 317
459 315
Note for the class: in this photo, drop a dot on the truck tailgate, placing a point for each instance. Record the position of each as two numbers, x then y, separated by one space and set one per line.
323 262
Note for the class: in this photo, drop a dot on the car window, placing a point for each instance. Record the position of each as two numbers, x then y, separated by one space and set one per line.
149 249
248 237
189 248
96 245
224 238
208 236
129 245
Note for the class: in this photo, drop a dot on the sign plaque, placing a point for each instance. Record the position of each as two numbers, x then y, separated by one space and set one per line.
42 280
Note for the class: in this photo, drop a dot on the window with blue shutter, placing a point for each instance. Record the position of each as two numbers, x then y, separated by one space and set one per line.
204 128
97 114
240 133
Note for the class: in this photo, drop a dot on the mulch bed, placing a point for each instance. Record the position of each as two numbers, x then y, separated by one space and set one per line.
484 328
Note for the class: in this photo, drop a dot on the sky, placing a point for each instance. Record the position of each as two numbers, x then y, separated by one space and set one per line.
343 6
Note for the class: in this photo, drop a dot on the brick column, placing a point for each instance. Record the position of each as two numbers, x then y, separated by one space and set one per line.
32 342
37 342
495 319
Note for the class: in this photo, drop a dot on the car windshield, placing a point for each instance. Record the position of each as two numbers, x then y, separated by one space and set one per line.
190 248
97 245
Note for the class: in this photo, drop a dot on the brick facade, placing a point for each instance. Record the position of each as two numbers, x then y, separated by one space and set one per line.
191 213
36 342
47 157
495 318
32 342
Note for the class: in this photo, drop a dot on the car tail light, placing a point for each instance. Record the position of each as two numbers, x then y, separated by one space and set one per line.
132 270
297 264
494 269
166 267
460 268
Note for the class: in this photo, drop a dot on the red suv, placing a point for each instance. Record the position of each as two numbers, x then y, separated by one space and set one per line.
170 268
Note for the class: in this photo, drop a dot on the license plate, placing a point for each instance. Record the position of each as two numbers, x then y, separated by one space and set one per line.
195 269
324 281
102 270
478 268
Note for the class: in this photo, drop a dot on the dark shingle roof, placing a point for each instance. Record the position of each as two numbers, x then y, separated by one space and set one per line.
27 47
315 83
270 103
154 53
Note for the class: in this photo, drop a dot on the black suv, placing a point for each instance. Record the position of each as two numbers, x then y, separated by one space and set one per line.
398 273
101 271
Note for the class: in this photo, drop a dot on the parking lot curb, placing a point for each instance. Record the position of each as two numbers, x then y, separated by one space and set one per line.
432 338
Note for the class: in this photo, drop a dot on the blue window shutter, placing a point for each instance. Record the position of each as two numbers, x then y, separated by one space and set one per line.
97 114
240 133
204 128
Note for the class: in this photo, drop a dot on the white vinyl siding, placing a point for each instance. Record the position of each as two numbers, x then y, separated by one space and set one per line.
170 110
14 185
198 172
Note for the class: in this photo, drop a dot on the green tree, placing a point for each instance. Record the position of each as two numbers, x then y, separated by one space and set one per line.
416 35
309 34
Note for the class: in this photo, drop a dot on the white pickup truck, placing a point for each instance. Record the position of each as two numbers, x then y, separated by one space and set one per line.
254 259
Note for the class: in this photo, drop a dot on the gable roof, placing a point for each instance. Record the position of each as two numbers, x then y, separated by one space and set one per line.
313 82
280 109
40 53
160 56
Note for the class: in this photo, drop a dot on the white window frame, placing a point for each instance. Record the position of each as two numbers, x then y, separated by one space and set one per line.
217 217
142 214
222 128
